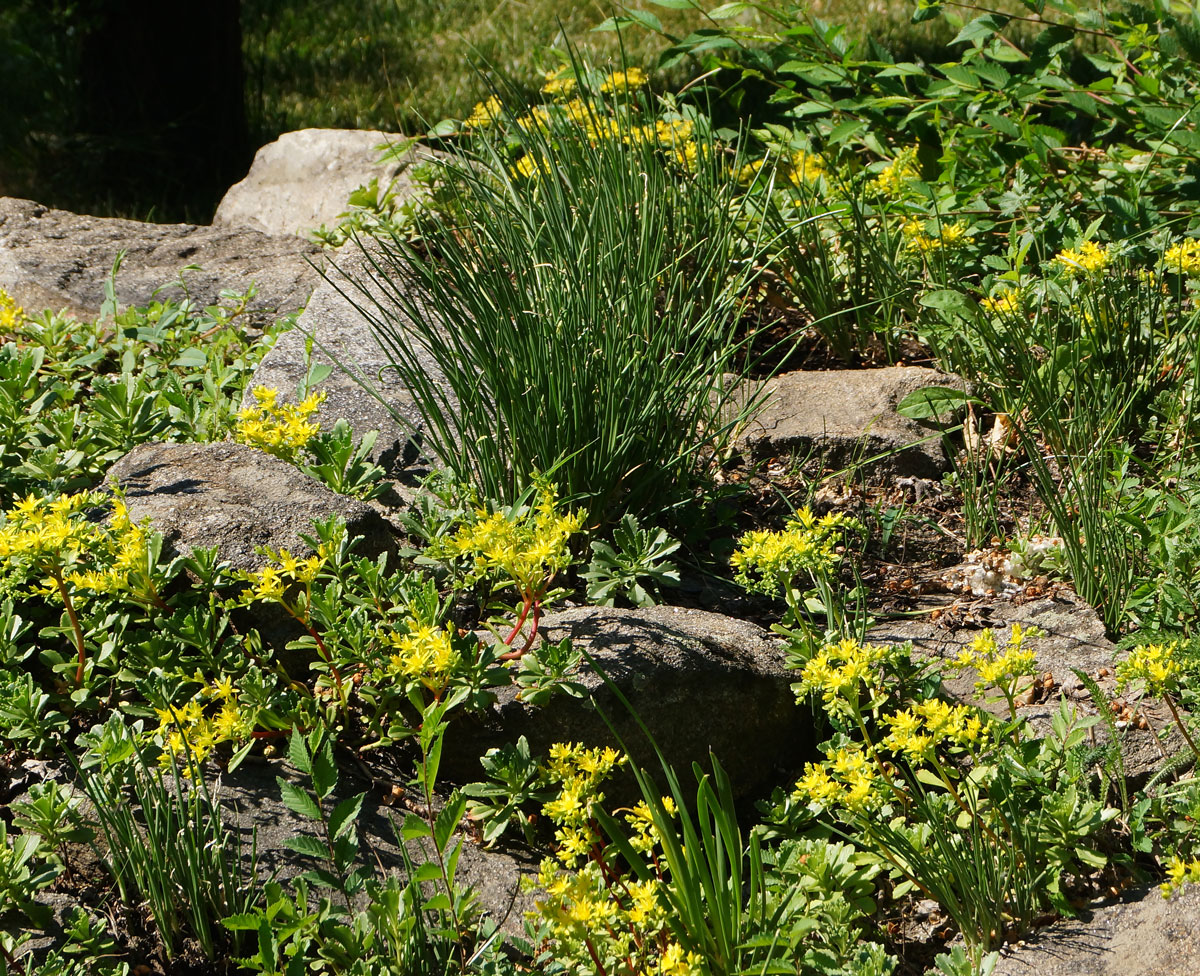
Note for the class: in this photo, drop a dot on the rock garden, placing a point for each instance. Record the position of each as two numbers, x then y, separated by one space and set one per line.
743 525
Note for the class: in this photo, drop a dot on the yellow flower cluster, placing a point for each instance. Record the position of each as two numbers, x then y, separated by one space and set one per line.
526 548
675 962
10 312
1155 664
995 668
620 82
423 651
1089 258
281 573
806 544
579 771
896 176
847 779
528 167
558 85
949 237
484 113
51 535
641 819
1005 303
917 731
189 731
1183 258
279 429
1179 873
675 138
841 672
799 168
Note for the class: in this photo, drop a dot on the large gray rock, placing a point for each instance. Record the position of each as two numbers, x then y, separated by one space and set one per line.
700 681
303 179
834 419
1141 935
55 259
236 498
333 331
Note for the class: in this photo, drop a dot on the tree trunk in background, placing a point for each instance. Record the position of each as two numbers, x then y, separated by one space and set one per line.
162 101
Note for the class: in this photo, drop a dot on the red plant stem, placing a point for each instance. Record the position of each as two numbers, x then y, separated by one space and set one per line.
533 631
56 575
520 621
596 959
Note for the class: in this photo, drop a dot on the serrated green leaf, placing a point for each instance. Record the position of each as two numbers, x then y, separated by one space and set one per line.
298 753
429 871
345 815
414 827
306 845
324 770
447 821
298 800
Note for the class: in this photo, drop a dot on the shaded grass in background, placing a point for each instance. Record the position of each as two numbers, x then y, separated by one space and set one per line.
405 64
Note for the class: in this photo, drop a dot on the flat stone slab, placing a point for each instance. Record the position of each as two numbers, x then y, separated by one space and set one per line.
1141 935
304 179
699 681
833 419
236 497
56 259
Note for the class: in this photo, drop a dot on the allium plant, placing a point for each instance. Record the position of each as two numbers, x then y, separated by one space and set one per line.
575 305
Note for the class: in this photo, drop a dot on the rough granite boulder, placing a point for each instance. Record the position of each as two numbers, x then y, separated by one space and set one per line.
303 179
700 681
235 497
834 419
55 259
343 338
1143 934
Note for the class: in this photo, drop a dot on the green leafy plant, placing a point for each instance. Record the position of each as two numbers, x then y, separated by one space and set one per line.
634 567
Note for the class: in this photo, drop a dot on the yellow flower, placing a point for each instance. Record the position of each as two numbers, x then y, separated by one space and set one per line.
1088 259
1183 258
1179 873
1155 664
619 82
484 113
675 962
1004 303
528 547
424 652
528 166
896 176
558 85
281 430
804 167
949 236
806 544
10 312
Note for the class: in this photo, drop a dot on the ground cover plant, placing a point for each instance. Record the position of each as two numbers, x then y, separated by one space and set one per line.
1016 211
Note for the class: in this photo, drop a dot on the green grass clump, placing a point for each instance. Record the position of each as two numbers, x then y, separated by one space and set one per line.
586 278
